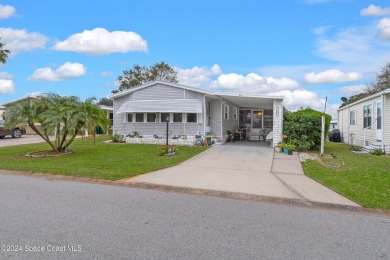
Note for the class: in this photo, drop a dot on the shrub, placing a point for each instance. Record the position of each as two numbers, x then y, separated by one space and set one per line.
377 151
167 149
303 128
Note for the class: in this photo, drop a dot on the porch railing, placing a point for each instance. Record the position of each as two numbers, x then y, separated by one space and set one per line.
215 128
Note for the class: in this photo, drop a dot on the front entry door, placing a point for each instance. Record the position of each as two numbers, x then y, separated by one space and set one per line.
379 121
257 119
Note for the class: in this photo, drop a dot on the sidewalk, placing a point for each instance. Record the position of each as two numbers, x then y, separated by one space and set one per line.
245 169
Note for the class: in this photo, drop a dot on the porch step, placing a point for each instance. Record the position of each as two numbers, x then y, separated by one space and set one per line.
372 146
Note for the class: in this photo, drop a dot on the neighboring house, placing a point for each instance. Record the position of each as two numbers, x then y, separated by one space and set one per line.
366 122
2 109
190 110
333 124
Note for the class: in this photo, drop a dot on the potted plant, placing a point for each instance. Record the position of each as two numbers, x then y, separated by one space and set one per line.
283 147
208 139
290 147
278 147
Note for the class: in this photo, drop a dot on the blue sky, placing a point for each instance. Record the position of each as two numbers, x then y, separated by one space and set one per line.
304 50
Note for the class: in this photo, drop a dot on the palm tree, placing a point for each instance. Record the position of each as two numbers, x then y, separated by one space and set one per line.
3 53
63 116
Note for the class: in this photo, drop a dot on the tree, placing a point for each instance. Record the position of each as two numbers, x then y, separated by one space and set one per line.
381 83
106 102
3 53
140 75
63 116
303 128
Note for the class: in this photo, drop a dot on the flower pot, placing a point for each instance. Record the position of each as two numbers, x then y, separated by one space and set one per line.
285 150
278 149
290 152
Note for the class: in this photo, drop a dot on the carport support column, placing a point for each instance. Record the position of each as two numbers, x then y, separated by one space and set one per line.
278 121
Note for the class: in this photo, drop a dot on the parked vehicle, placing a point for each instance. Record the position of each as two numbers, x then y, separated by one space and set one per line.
15 132
335 135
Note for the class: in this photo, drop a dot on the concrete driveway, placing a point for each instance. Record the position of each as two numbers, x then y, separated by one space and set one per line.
246 168
25 139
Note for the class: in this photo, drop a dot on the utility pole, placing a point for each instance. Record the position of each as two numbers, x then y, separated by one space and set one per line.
323 130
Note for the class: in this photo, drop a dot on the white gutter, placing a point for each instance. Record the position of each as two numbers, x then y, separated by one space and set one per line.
383 122
386 91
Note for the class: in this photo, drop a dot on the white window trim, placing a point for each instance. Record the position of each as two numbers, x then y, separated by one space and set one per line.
132 118
182 118
235 113
164 120
226 112
135 118
196 121
371 115
355 117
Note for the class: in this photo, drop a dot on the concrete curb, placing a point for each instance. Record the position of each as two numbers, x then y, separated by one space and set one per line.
205 192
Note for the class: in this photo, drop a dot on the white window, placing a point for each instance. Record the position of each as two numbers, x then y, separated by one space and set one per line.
192 117
177 117
164 117
234 113
352 117
367 112
139 117
226 112
129 117
151 117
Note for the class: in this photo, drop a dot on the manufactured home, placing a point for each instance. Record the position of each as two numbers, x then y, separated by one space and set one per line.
190 111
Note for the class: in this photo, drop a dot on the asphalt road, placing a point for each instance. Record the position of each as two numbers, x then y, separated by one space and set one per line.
95 221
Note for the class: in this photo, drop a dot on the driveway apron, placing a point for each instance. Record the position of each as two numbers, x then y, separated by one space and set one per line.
246 168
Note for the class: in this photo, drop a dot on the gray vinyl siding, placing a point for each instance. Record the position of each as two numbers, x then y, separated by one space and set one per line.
161 92
229 124
118 118
358 131
386 119
158 92
216 116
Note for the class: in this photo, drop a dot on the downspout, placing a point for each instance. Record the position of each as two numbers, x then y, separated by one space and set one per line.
348 122
383 110
204 116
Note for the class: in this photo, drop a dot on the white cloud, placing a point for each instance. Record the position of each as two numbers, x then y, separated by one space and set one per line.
373 10
6 11
352 90
197 76
99 41
5 75
252 83
66 71
295 99
7 86
384 29
332 76
21 40
105 74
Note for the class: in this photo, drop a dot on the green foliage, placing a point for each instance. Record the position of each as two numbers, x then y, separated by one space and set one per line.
106 102
140 75
117 138
100 161
363 178
381 83
64 116
3 53
303 128
377 151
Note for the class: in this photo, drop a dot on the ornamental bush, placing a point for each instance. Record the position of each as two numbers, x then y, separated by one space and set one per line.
303 128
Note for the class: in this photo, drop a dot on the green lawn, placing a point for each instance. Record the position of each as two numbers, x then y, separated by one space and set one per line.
101 161
363 178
